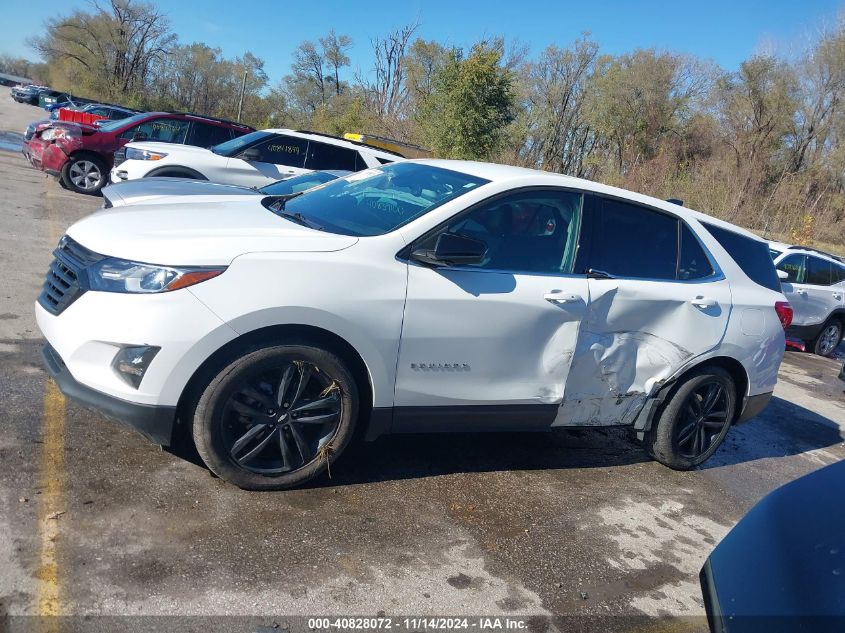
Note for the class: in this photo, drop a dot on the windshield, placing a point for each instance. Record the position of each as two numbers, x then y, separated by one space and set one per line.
298 183
377 201
108 126
230 148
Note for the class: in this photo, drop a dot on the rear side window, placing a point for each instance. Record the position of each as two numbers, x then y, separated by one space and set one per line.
322 156
627 240
283 150
751 255
795 266
818 271
693 262
205 135
838 273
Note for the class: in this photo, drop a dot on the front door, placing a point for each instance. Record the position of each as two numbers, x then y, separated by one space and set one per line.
490 345
656 301
276 158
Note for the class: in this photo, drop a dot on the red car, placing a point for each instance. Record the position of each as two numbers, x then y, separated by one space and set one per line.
82 155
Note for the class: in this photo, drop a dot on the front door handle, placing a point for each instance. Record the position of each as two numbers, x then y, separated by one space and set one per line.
703 302
559 298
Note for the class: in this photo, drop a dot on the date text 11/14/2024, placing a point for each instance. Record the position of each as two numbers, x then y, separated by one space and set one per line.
431 623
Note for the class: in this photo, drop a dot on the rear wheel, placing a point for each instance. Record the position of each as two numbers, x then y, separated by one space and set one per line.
276 417
84 173
828 339
695 420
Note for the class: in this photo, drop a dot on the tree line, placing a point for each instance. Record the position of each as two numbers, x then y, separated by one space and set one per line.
759 146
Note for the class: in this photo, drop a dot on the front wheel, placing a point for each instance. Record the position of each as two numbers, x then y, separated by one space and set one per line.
84 173
828 339
695 419
276 417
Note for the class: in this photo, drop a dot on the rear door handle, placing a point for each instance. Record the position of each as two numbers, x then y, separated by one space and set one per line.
703 302
559 298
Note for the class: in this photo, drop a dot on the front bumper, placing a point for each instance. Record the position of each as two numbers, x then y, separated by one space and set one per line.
153 421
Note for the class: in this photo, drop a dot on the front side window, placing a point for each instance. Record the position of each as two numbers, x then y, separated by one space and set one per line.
626 240
378 201
795 267
159 130
529 232
109 126
240 143
323 156
818 271
282 150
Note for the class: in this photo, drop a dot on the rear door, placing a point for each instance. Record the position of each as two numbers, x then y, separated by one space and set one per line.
656 301
793 287
822 297
278 157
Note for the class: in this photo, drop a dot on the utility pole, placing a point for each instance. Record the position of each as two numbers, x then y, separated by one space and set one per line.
241 101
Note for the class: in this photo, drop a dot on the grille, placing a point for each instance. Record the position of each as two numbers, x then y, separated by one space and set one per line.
30 130
66 280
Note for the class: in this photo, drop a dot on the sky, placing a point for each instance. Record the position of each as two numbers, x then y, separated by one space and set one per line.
725 31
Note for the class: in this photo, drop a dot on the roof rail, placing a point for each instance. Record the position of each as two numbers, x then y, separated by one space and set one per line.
408 150
796 247
339 138
210 118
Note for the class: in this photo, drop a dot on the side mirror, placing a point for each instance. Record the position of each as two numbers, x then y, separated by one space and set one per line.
782 274
250 154
452 249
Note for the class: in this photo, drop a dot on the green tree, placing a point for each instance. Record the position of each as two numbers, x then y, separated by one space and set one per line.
471 104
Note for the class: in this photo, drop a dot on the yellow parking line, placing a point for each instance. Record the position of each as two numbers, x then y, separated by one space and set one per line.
51 474
51 510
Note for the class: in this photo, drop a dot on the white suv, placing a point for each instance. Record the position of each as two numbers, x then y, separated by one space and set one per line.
814 284
418 296
252 160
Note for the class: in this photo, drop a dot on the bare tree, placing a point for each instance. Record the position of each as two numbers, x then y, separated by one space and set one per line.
334 53
389 90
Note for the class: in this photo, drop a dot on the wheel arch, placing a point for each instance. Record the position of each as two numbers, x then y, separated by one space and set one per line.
177 171
656 402
279 334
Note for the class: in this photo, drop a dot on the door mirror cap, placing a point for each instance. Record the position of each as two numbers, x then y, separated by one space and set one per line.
250 154
452 249
782 274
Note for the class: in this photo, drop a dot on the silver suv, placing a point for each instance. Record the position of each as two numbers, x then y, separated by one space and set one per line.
814 284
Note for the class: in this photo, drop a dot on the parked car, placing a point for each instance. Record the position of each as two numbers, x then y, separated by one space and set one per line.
255 159
814 284
27 94
780 569
47 98
81 155
418 296
108 112
166 190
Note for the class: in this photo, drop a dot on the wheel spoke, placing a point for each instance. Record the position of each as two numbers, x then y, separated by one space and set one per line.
301 445
304 377
258 396
316 419
287 376
245 409
246 438
284 449
687 433
696 444
713 395
320 403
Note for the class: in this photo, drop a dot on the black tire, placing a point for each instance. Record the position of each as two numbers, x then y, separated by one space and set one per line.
245 440
828 339
687 417
85 173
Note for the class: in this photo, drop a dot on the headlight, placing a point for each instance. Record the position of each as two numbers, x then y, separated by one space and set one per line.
119 275
52 133
143 154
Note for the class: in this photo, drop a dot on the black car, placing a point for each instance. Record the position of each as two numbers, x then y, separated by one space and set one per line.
781 569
